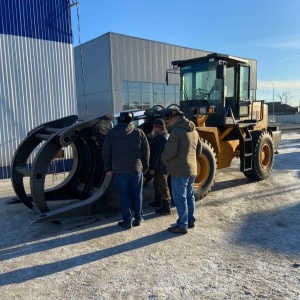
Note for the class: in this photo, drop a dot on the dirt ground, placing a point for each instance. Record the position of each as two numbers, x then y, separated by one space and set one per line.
246 245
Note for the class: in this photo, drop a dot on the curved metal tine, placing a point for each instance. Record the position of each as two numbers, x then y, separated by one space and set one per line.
23 152
92 167
39 171
18 164
78 209
47 152
80 179
64 190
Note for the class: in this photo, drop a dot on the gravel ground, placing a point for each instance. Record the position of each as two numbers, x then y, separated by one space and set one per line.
246 245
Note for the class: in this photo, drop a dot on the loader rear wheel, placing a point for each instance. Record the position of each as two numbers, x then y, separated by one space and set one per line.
206 170
263 156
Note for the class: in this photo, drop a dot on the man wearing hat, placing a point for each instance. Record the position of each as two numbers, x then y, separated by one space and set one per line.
126 155
157 168
179 156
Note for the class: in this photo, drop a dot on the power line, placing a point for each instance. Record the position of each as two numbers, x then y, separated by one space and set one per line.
81 56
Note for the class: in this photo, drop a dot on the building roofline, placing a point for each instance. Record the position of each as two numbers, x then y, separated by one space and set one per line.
153 41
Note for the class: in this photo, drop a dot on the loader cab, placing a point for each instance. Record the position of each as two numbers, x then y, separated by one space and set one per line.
217 85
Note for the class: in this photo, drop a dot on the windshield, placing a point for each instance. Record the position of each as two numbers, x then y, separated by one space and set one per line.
199 82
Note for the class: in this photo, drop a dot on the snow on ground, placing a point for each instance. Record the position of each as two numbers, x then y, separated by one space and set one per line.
246 245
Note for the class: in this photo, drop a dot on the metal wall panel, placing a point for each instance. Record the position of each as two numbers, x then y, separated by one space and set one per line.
40 19
36 86
93 78
94 105
36 70
136 59
144 60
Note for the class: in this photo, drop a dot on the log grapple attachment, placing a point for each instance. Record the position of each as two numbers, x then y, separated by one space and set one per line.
86 191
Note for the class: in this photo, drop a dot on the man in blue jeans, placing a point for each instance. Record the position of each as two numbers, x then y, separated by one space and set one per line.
126 155
179 156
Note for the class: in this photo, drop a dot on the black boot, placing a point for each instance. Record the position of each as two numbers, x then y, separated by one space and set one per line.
156 202
165 210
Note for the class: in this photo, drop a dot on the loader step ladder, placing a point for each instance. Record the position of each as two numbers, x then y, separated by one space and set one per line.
246 150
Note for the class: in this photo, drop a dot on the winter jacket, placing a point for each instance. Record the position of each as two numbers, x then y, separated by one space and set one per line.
181 149
156 149
126 149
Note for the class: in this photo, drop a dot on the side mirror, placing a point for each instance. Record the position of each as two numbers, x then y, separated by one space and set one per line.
172 71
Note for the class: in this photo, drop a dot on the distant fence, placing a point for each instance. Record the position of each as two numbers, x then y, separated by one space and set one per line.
286 119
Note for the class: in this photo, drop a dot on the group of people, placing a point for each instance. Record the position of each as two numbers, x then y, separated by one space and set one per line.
172 152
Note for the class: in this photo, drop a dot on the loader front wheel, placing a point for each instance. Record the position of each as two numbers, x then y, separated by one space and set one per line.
206 170
263 156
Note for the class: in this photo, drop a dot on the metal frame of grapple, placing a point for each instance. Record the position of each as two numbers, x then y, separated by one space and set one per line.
87 186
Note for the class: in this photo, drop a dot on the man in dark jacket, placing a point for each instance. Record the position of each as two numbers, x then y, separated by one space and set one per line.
179 156
126 155
157 168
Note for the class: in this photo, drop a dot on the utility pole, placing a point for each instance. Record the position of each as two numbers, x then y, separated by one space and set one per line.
273 102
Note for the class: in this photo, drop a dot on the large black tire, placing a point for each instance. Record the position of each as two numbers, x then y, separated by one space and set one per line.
263 156
206 170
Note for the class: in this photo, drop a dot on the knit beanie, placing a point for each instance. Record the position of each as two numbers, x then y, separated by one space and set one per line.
125 117
160 123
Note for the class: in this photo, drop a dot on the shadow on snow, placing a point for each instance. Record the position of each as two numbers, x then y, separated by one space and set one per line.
275 230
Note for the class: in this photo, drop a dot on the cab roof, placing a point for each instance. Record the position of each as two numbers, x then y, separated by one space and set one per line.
210 57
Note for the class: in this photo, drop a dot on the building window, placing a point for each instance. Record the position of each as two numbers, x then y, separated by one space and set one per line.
144 95
170 95
159 94
135 95
147 95
125 97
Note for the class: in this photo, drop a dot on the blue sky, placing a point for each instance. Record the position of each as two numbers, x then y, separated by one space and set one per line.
265 30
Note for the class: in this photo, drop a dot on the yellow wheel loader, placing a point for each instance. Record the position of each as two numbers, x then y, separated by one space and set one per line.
215 95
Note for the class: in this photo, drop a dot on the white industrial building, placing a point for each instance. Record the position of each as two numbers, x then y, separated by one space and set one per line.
116 72
37 82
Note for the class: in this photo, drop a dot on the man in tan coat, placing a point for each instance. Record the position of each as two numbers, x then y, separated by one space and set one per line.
179 156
